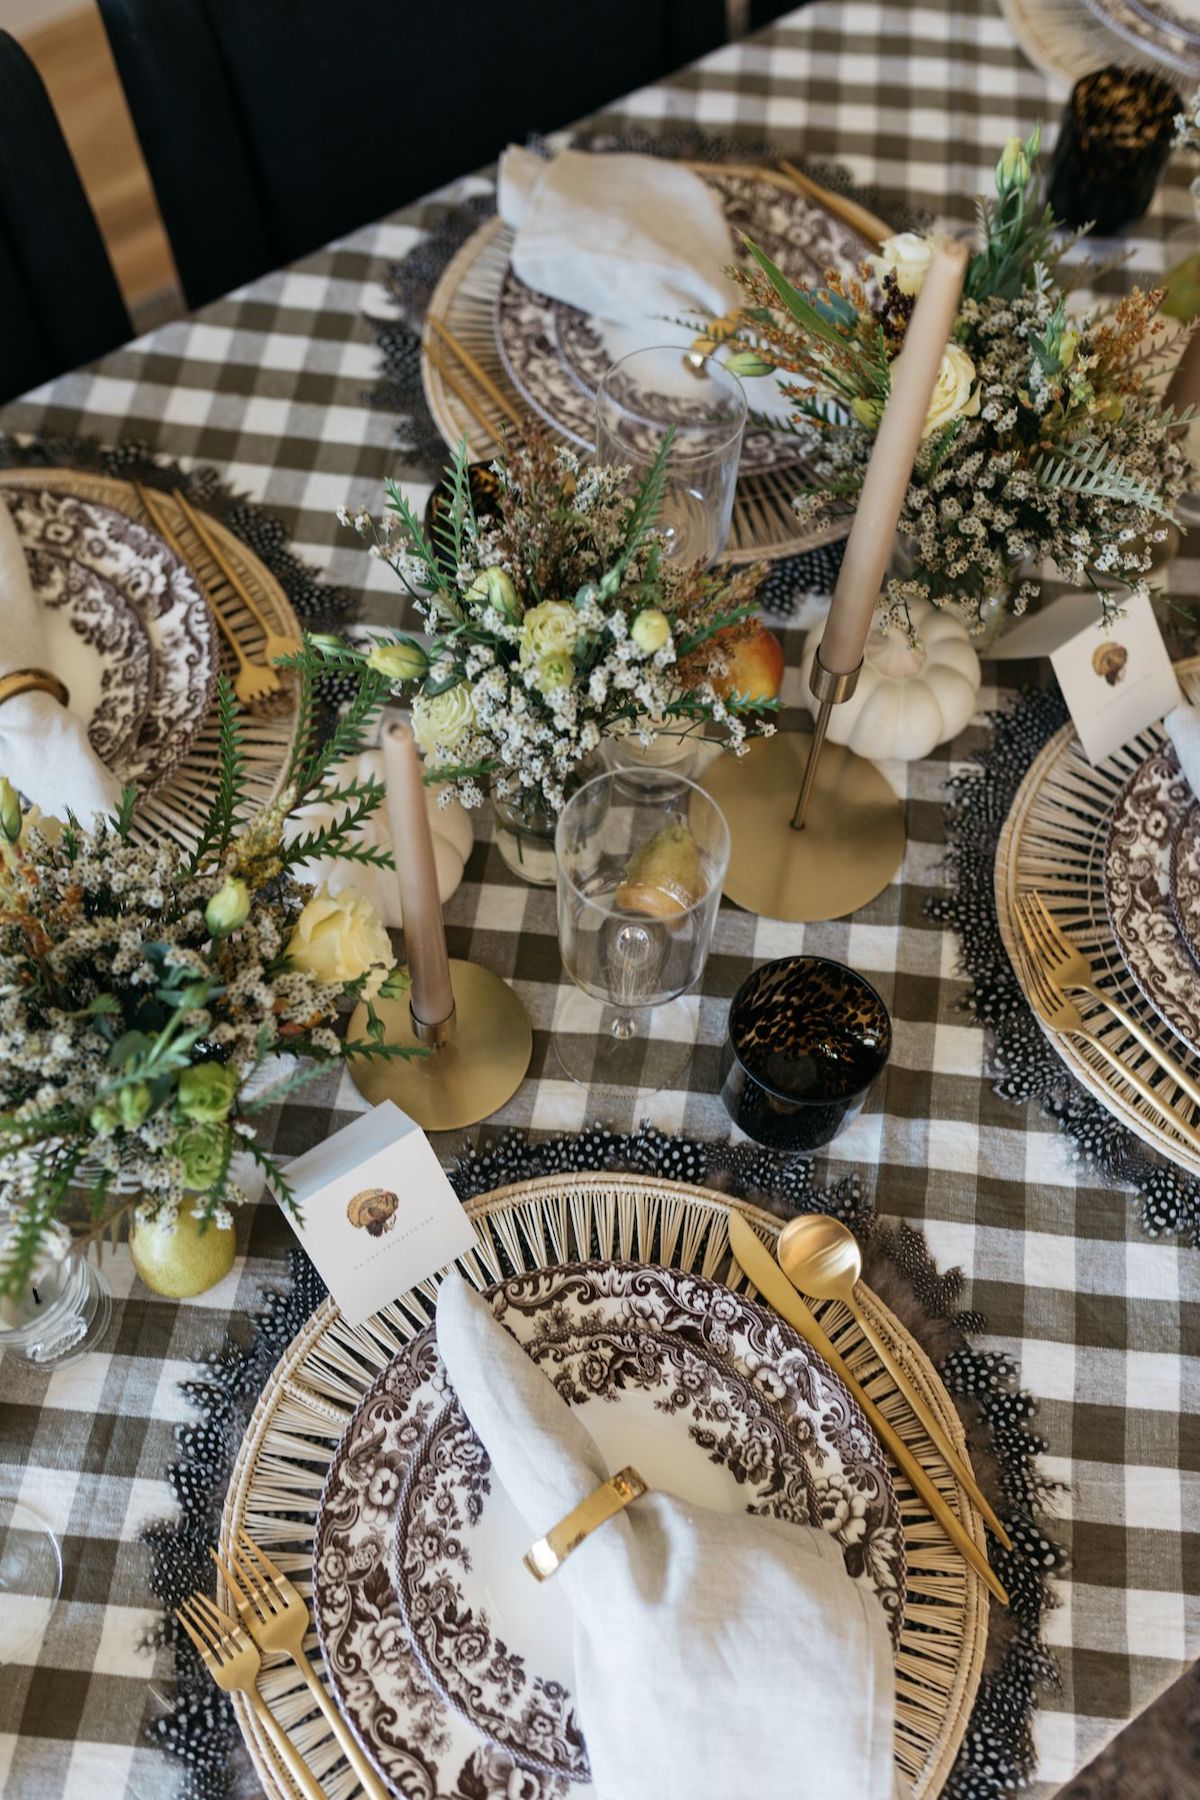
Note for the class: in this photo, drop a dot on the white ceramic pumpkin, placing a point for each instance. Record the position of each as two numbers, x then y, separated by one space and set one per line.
909 698
452 841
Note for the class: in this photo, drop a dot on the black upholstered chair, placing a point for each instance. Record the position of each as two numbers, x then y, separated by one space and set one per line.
59 300
272 126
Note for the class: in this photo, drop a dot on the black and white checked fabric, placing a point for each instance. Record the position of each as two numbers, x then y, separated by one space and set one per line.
270 385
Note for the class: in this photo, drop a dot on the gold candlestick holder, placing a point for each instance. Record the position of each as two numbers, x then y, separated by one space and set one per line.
816 830
477 1057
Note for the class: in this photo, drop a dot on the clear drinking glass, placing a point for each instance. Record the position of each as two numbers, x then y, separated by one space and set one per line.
641 861
64 1311
652 392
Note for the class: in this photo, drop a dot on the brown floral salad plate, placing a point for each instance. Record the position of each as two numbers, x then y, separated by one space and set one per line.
1147 813
1185 877
453 1670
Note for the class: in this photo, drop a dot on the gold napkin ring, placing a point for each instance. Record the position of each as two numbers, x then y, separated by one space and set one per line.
549 1554
33 681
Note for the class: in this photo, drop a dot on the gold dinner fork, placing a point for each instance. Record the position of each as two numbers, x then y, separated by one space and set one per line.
253 681
274 1613
1060 1013
279 643
234 1663
1067 968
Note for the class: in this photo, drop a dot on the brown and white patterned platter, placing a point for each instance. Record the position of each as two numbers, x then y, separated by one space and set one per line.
99 646
453 1670
556 355
1185 877
161 592
1147 813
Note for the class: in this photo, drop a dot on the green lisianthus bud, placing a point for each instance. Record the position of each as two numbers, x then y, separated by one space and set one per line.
206 1092
228 908
103 1119
494 588
650 630
867 412
402 660
1012 170
748 363
133 1103
10 810
202 1152
326 642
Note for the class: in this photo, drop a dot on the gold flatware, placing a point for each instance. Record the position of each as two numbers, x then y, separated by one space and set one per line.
234 1663
821 1257
851 212
279 643
1058 1012
458 386
1068 969
273 1611
757 1262
479 375
253 681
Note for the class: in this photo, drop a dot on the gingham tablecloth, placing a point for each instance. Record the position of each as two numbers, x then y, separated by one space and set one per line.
270 384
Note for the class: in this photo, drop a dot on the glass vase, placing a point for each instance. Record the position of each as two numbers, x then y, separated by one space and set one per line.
64 1311
525 840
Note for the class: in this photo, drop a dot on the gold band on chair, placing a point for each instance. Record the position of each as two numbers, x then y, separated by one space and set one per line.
603 1503
33 681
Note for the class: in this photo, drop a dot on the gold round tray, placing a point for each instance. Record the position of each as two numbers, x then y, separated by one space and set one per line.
1053 841
177 807
763 522
318 1382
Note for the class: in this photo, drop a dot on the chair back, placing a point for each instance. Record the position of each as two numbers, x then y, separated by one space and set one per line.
271 127
59 300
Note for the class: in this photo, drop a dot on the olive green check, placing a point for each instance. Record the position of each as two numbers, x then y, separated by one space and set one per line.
270 384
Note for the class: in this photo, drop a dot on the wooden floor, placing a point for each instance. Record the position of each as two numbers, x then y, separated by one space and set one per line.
74 61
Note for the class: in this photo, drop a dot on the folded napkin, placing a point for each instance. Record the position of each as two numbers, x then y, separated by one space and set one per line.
44 749
715 1654
1183 728
624 238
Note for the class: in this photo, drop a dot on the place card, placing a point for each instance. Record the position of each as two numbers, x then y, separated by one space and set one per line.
1116 679
378 1212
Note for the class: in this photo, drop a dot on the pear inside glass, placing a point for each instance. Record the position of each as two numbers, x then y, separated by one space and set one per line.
641 862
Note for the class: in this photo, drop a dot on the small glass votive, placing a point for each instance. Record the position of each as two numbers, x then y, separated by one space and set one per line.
806 1038
1116 136
63 1312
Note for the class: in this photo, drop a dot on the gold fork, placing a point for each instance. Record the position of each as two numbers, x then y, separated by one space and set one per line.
234 1663
1067 968
279 643
274 1613
253 681
1060 1013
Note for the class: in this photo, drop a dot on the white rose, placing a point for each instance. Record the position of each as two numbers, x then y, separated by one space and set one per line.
338 938
441 720
954 391
906 256
549 629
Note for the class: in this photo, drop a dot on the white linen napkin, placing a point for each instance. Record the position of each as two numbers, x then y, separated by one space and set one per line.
622 237
44 747
1183 728
715 1654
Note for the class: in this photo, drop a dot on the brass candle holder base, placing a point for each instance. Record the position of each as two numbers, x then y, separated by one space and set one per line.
851 844
469 1076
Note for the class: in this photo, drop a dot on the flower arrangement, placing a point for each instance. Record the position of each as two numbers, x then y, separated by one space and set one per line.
554 624
141 987
1046 440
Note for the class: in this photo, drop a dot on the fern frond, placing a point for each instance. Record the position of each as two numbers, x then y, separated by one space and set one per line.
1091 470
647 501
230 793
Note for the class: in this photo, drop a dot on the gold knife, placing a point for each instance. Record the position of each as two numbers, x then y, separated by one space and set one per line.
757 1262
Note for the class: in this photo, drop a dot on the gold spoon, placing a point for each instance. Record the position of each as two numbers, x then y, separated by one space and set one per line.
821 1257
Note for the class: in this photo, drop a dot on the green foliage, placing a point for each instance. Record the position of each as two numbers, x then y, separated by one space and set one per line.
227 802
1089 467
360 800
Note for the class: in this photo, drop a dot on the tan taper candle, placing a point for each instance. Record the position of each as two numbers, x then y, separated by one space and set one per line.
886 481
431 996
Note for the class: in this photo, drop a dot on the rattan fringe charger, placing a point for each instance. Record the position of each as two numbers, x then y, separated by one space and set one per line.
176 809
1053 840
763 523
317 1384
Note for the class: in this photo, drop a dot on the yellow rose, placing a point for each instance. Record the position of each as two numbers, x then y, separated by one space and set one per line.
906 256
954 391
549 629
338 938
554 673
441 720
650 630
